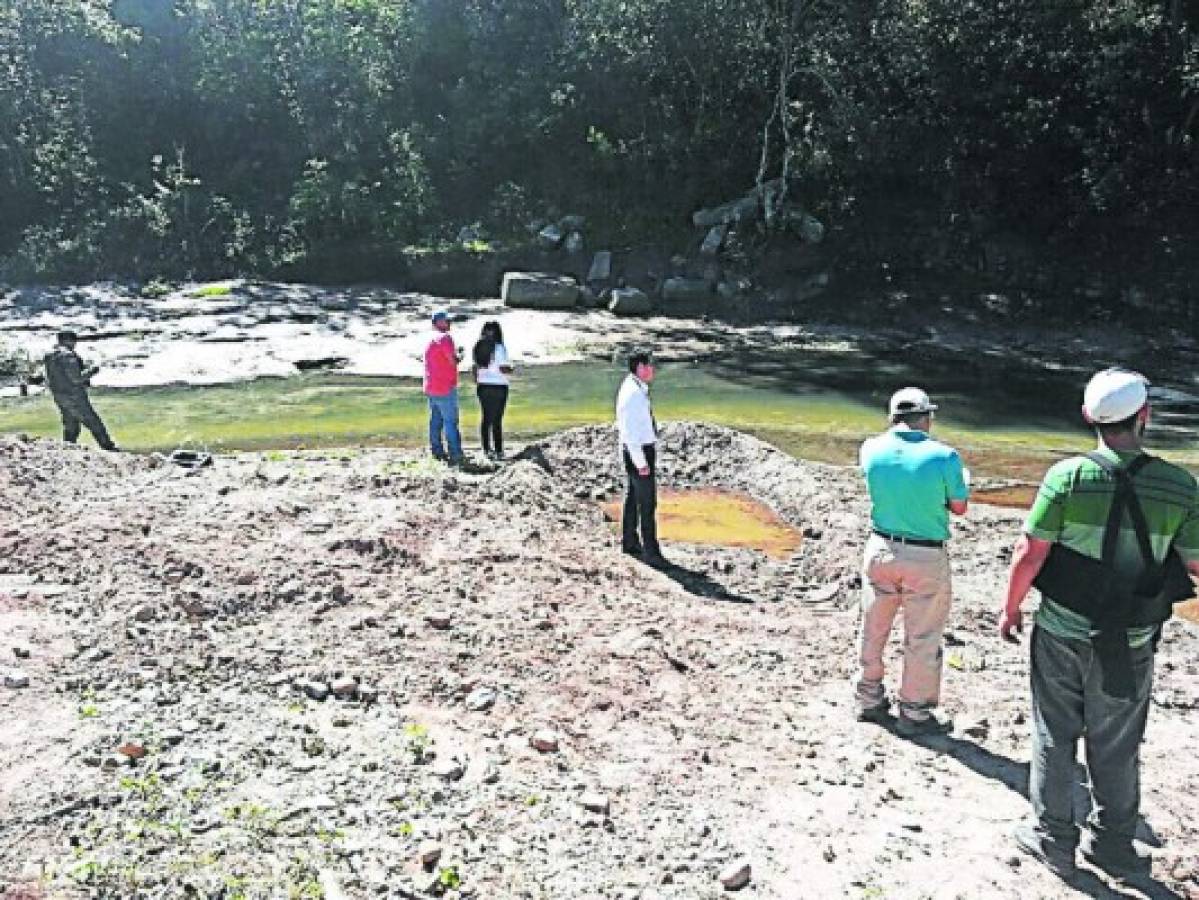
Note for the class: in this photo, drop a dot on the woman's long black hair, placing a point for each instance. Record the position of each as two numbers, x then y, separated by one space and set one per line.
489 338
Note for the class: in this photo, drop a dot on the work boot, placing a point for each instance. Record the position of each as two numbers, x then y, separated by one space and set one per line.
929 726
1053 853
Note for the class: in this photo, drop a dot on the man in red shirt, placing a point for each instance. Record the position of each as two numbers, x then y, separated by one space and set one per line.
441 387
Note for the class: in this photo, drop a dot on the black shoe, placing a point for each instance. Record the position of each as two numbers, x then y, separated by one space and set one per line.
1055 854
655 560
631 551
1126 862
929 726
879 712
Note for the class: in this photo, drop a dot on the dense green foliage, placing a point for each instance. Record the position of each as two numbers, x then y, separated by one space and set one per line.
211 137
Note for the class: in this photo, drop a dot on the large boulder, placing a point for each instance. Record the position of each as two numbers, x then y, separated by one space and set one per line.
601 267
677 290
539 290
743 209
714 240
629 302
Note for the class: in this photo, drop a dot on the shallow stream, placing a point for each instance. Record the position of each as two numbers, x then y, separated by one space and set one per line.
815 404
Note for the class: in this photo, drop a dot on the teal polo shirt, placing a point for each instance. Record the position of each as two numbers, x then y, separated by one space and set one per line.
910 477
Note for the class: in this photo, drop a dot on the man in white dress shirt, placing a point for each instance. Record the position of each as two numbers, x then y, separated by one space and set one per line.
638 438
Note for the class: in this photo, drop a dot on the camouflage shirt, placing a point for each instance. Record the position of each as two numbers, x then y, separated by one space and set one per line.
64 372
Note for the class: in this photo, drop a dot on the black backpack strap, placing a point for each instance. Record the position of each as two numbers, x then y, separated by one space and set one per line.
1125 495
1111 531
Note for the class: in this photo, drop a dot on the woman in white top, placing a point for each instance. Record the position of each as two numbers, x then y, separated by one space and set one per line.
491 369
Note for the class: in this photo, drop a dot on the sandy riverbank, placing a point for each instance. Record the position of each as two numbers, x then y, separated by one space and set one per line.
700 716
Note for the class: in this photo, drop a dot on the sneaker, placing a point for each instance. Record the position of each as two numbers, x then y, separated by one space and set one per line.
930 726
878 712
1127 862
1055 854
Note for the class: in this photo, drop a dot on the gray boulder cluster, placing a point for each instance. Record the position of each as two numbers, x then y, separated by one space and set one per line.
545 290
688 282
565 234
768 204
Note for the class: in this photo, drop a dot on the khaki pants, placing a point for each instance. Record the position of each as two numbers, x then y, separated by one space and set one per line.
916 579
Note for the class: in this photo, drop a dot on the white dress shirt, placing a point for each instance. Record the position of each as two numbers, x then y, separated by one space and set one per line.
635 419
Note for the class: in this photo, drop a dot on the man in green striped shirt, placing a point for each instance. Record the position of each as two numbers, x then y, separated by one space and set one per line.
1068 696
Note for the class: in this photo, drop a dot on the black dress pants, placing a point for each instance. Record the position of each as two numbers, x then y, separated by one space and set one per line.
639 530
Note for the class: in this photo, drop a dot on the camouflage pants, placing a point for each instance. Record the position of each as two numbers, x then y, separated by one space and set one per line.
76 411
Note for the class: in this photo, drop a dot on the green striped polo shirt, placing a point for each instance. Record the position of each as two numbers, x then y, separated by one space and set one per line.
1072 507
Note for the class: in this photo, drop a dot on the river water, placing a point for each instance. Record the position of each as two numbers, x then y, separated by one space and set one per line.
245 365
815 404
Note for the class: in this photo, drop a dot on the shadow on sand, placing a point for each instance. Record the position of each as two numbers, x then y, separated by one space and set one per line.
698 584
1014 776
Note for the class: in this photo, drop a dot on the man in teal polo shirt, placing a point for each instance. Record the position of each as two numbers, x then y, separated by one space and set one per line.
1070 697
914 483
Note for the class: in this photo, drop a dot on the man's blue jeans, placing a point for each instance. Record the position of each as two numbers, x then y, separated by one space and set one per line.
443 415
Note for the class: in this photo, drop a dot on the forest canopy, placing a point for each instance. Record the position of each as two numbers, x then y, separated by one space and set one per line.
150 137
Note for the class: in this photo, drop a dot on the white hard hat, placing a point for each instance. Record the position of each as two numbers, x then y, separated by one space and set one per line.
1114 395
910 400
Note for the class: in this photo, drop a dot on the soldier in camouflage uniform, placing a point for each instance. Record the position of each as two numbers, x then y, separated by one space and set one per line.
68 381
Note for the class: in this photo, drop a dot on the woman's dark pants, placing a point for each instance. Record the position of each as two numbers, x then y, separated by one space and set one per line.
493 398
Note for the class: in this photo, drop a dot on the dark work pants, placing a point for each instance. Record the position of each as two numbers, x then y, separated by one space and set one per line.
640 507
1068 703
493 398
76 410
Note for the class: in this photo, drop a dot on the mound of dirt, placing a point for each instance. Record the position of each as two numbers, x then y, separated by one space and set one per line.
360 674
824 502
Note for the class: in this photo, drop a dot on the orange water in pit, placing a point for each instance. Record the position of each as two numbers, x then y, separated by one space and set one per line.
727 519
718 518
1017 496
